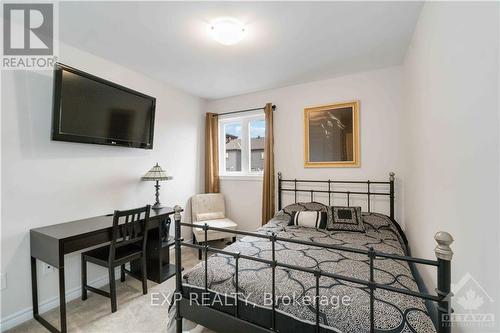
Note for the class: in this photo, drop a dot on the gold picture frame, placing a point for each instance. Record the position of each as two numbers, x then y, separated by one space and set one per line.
333 132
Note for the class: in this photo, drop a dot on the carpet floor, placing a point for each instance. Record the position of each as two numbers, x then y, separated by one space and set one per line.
136 313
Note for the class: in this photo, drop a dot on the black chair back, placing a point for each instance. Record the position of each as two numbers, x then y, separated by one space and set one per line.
129 227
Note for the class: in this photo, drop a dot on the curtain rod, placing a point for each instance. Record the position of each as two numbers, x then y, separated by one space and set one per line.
240 111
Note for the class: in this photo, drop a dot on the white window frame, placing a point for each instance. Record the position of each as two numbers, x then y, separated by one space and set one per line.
246 159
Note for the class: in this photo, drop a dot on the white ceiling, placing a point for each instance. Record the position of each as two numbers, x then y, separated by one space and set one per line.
286 42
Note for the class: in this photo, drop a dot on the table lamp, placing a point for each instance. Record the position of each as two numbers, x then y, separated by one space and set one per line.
156 174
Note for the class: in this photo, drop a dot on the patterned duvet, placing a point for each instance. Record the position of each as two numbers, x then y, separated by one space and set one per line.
345 306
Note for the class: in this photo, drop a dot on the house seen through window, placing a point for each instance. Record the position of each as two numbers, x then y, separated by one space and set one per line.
242 145
233 147
257 134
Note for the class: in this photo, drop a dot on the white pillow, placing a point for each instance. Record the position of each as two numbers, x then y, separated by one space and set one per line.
209 216
309 219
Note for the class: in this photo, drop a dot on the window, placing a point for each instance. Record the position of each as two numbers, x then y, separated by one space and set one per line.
241 145
257 135
232 144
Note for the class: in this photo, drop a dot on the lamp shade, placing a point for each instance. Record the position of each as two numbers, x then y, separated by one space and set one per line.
156 173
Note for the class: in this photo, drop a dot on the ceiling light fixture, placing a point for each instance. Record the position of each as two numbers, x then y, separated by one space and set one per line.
227 31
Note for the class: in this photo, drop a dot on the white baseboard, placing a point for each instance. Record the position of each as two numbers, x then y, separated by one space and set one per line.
27 314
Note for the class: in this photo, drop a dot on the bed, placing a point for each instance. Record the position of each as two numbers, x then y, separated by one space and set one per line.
322 281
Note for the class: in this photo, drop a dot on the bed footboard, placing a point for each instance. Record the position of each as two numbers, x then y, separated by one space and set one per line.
183 308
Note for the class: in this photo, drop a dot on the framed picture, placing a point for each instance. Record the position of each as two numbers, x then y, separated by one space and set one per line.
331 135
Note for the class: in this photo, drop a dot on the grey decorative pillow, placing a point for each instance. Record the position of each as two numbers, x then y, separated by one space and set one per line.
347 219
308 206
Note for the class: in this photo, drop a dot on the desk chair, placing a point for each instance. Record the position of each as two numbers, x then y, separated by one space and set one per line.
128 243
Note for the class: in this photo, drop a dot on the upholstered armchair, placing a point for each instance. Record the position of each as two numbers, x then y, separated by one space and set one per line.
210 209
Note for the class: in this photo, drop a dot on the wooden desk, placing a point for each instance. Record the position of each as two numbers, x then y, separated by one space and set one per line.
49 244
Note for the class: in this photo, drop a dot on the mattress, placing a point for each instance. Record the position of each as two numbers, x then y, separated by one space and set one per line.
344 306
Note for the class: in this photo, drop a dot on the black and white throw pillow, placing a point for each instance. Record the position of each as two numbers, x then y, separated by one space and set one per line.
309 219
347 219
309 206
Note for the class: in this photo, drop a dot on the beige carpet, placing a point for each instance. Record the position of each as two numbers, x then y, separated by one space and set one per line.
136 312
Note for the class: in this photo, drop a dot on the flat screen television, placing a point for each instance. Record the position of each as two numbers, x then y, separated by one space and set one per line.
89 109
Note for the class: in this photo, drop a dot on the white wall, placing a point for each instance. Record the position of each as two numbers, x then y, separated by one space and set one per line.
243 202
46 182
379 93
451 139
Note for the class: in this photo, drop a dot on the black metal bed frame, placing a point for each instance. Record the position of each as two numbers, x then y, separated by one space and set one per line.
223 322
330 191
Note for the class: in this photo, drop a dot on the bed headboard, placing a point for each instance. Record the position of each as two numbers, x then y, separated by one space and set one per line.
291 185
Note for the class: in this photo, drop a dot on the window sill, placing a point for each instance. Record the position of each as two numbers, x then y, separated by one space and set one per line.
242 177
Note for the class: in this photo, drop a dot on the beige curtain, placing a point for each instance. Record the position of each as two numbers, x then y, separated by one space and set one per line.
211 153
268 181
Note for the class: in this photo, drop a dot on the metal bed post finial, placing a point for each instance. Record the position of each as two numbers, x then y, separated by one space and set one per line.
178 267
443 250
444 255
